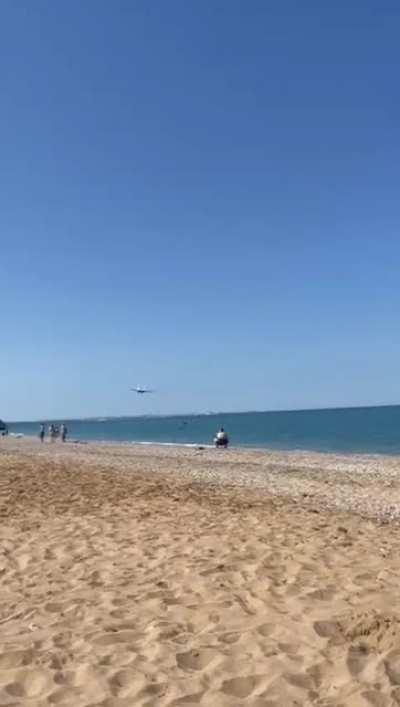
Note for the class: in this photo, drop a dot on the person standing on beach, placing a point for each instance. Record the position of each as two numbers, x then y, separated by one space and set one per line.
64 432
42 433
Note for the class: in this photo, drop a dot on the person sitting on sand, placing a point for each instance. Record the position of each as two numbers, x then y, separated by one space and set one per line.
221 438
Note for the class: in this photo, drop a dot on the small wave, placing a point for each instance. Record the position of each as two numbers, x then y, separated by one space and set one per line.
190 445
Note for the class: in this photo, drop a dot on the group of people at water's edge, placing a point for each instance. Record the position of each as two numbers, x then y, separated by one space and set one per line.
54 432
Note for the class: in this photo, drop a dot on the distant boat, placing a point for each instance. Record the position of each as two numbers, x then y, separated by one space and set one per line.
101 419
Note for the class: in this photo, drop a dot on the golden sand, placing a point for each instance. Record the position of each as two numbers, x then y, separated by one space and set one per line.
130 576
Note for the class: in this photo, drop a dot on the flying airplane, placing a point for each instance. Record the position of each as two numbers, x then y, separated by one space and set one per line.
140 390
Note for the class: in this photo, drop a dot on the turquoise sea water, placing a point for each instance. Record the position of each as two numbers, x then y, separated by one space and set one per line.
373 430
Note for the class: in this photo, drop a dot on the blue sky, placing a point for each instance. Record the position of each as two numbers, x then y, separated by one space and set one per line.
199 197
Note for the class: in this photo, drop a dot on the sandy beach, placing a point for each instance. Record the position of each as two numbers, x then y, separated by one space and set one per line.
160 577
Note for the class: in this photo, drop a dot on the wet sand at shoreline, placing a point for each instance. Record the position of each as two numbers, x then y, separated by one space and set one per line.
168 576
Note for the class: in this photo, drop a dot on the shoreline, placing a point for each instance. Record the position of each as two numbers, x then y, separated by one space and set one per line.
371 430
207 446
368 485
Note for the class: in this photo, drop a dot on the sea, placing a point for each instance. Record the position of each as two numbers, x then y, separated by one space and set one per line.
361 430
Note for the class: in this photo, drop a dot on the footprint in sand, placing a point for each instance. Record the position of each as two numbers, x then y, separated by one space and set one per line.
327 629
120 626
188 700
153 689
118 658
195 660
173 634
322 594
291 650
375 698
14 659
302 680
229 638
32 684
365 577
63 696
240 687
54 608
107 639
357 658
116 702
124 682
392 667
118 613
266 629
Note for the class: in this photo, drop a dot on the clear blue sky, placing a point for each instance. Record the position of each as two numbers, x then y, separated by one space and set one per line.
202 197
